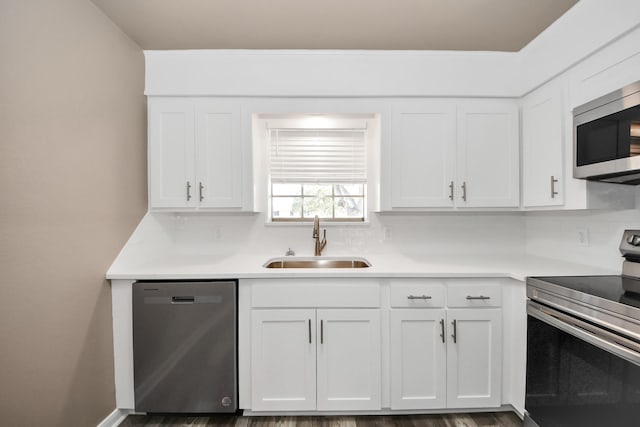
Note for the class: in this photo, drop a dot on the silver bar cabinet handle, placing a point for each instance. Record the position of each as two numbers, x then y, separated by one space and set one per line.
200 189
188 191
478 297
321 332
554 193
309 331
464 191
419 297
442 329
455 332
451 190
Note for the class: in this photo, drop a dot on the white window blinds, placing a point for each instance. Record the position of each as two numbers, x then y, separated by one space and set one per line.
318 155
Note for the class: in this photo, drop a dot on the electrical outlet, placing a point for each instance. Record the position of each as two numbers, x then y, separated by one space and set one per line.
583 236
387 233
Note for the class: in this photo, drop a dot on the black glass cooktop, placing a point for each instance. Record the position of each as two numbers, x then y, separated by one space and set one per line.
607 287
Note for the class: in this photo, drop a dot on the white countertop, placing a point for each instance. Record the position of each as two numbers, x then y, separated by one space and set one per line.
243 266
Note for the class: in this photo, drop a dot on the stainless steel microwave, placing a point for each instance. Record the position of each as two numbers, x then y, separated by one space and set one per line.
607 137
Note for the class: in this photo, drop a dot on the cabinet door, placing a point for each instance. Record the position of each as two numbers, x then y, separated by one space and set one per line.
423 154
283 360
219 155
474 358
171 154
488 154
418 359
542 148
349 368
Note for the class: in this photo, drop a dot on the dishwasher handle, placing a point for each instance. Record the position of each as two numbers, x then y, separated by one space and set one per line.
183 300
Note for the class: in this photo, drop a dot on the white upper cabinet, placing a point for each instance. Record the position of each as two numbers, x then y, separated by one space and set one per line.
219 155
488 154
542 145
453 154
195 154
423 154
171 154
605 71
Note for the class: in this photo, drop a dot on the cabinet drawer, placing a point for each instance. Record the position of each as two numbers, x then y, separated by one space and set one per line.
474 295
315 293
417 295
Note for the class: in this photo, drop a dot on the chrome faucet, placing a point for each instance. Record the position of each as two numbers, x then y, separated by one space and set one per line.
320 244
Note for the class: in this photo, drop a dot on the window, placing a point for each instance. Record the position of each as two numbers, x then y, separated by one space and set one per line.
317 172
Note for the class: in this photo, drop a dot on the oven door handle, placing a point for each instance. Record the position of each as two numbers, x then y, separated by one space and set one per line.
608 341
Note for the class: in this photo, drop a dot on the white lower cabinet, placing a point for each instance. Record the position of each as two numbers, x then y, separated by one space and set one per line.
443 339
283 360
418 359
474 358
307 359
446 357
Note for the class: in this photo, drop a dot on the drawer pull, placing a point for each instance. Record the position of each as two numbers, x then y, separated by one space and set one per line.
425 297
482 297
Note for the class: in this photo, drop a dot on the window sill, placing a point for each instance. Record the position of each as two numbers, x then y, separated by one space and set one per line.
323 224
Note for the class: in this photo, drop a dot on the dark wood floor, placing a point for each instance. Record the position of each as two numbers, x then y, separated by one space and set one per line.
489 419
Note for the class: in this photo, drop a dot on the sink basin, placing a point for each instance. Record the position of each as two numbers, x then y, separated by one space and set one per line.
317 262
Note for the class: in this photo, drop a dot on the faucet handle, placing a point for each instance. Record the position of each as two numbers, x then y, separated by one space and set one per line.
289 252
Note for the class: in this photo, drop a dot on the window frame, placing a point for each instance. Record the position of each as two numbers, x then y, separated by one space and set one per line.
333 196
368 113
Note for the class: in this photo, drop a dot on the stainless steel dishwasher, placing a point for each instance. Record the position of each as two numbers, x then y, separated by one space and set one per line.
184 346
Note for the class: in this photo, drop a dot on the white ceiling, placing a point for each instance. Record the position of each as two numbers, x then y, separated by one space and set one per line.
497 25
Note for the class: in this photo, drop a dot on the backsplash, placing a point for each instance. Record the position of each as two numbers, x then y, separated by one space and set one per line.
585 237
416 234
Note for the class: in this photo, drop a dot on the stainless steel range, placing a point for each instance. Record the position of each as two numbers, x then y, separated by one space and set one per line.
583 347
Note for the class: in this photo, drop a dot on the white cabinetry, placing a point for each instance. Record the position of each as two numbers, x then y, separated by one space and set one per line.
423 151
474 358
195 154
171 153
454 154
445 357
606 70
219 155
542 142
283 359
474 348
488 154
348 371
327 360
418 359
311 358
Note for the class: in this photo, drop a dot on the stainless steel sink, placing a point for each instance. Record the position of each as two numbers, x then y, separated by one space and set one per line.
317 262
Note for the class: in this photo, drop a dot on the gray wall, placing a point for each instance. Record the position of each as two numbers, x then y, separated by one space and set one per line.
72 189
